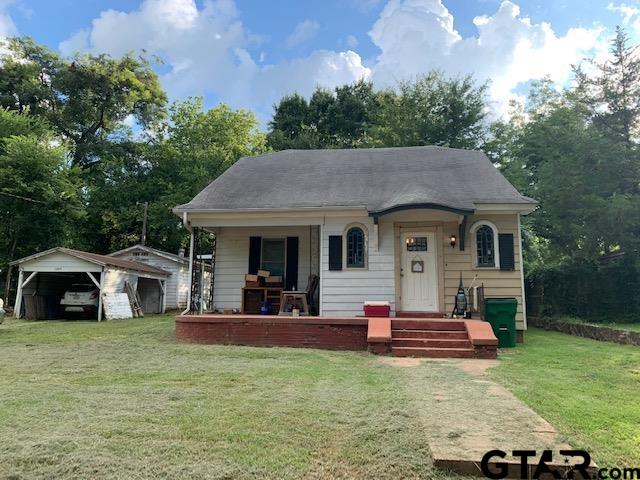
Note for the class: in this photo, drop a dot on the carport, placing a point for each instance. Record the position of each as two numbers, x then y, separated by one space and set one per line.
45 276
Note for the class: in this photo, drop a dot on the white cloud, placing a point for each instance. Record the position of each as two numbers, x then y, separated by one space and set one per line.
7 27
304 31
207 51
628 12
415 36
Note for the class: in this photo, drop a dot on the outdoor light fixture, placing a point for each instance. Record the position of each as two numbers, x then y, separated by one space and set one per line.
453 240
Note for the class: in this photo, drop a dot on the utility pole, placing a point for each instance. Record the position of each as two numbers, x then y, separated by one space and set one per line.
143 239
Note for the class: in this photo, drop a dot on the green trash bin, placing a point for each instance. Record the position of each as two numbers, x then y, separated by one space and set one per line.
501 314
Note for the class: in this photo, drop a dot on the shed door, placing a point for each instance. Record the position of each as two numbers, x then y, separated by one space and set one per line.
418 272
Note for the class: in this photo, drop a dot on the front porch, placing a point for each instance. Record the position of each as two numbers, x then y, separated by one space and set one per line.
402 337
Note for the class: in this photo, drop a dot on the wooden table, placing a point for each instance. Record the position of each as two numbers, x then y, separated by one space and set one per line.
253 296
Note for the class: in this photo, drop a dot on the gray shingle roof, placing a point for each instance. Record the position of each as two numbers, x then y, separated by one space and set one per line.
377 179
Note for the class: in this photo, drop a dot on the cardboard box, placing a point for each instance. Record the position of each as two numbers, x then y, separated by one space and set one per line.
264 273
273 280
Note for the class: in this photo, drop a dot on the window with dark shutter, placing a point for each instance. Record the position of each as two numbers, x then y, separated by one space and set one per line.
335 252
485 248
355 248
507 257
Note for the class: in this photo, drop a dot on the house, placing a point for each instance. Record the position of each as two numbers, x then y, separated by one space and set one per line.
45 277
401 225
176 265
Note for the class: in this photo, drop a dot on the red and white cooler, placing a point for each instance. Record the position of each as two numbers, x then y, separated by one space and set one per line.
377 309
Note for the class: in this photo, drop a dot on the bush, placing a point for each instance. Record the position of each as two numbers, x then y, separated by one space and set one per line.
599 292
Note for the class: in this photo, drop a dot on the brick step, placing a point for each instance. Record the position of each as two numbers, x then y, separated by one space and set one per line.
433 352
419 324
430 334
430 343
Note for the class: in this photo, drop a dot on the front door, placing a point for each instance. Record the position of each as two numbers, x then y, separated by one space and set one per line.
418 272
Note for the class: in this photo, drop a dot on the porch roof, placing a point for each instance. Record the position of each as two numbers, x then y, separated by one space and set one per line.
379 179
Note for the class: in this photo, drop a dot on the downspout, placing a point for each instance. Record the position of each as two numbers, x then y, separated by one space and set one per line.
191 245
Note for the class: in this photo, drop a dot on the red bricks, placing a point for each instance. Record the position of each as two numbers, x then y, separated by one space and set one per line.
409 337
271 331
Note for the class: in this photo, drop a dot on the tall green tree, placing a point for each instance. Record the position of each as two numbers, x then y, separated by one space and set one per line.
193 149
433 110
430 110
85 98
39 191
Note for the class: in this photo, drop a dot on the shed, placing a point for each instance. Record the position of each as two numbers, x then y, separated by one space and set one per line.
177 265
48 275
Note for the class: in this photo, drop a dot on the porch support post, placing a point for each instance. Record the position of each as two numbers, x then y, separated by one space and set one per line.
18 304
100 285
191 244
163 287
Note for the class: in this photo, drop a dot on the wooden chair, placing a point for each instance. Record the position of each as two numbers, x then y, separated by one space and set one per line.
299 299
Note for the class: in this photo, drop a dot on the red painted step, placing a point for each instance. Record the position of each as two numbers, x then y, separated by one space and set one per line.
430 343
433 352
418 324
434 334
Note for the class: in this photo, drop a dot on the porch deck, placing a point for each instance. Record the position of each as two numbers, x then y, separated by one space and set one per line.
412 337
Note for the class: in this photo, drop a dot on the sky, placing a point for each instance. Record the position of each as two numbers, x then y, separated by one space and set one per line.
249 53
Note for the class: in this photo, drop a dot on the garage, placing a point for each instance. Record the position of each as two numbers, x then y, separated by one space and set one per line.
66 283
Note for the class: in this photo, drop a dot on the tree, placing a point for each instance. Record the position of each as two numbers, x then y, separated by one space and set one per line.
432 110
85 98
193 149
39 192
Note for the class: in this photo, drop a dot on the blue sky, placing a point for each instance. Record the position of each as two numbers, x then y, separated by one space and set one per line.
249 52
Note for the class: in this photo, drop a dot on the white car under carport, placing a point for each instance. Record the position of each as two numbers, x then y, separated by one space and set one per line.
45 277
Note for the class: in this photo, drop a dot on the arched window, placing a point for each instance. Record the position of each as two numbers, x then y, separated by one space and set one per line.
356 247
485 246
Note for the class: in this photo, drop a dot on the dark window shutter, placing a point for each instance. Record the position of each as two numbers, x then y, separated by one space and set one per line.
291 275
507 258
255 252
335 252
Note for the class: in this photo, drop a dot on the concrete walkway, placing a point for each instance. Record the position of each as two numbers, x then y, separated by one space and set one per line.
465 415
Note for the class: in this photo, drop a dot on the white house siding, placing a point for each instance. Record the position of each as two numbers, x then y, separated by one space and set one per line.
177 282
232 259
59 262
182 286
114 281
343 292
497 283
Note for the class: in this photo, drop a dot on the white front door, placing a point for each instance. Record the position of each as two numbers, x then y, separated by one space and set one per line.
418 272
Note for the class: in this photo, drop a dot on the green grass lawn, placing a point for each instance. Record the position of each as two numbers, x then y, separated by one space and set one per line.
589 390
122 399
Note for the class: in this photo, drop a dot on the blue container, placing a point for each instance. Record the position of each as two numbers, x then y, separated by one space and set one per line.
265 308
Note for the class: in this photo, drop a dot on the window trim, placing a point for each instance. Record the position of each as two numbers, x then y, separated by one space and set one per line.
365 232
496 246
284 239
